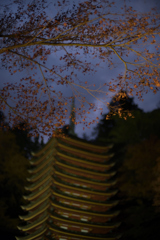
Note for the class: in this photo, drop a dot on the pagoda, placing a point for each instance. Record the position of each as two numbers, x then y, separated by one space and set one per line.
71 192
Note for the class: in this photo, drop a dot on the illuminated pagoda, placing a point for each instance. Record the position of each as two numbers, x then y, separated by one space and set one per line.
71 187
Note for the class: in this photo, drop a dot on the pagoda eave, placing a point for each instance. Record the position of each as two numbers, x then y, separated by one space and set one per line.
34 235
36 223
64 233
36 212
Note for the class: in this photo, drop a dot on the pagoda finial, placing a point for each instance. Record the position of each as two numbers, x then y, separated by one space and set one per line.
72 119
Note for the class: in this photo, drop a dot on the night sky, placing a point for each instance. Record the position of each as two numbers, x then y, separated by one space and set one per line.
151 101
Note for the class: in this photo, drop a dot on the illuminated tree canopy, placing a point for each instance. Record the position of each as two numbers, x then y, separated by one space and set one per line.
81 39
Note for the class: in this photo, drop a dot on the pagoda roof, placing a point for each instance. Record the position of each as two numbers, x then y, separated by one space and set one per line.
105 214
86 171
91 177
113 192
41 190
43 207
41 165
86 161
104 225
32 205
82 185
108 183
37 233
85 145
41 158
51 142
108 203
46 170
83 236
36 223
84 154
39 183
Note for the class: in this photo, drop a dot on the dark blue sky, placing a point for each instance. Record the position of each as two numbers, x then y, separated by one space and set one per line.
151 101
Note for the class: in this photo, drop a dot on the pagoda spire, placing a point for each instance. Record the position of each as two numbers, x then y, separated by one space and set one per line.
72 119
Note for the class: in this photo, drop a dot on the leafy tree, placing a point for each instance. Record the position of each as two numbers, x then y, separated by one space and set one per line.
3 123
136 141
156 184
15 149
121 105
126 123
138 127
27 144
120 108
138 182
13 174
94 29
137 172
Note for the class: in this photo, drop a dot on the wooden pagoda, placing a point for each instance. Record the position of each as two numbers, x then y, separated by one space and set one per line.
71 190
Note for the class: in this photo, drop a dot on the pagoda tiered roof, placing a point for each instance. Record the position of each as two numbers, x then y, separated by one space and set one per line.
71 186
82 215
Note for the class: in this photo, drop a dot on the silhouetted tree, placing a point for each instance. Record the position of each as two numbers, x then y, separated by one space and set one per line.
15 147
120 108
13 173
25 141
